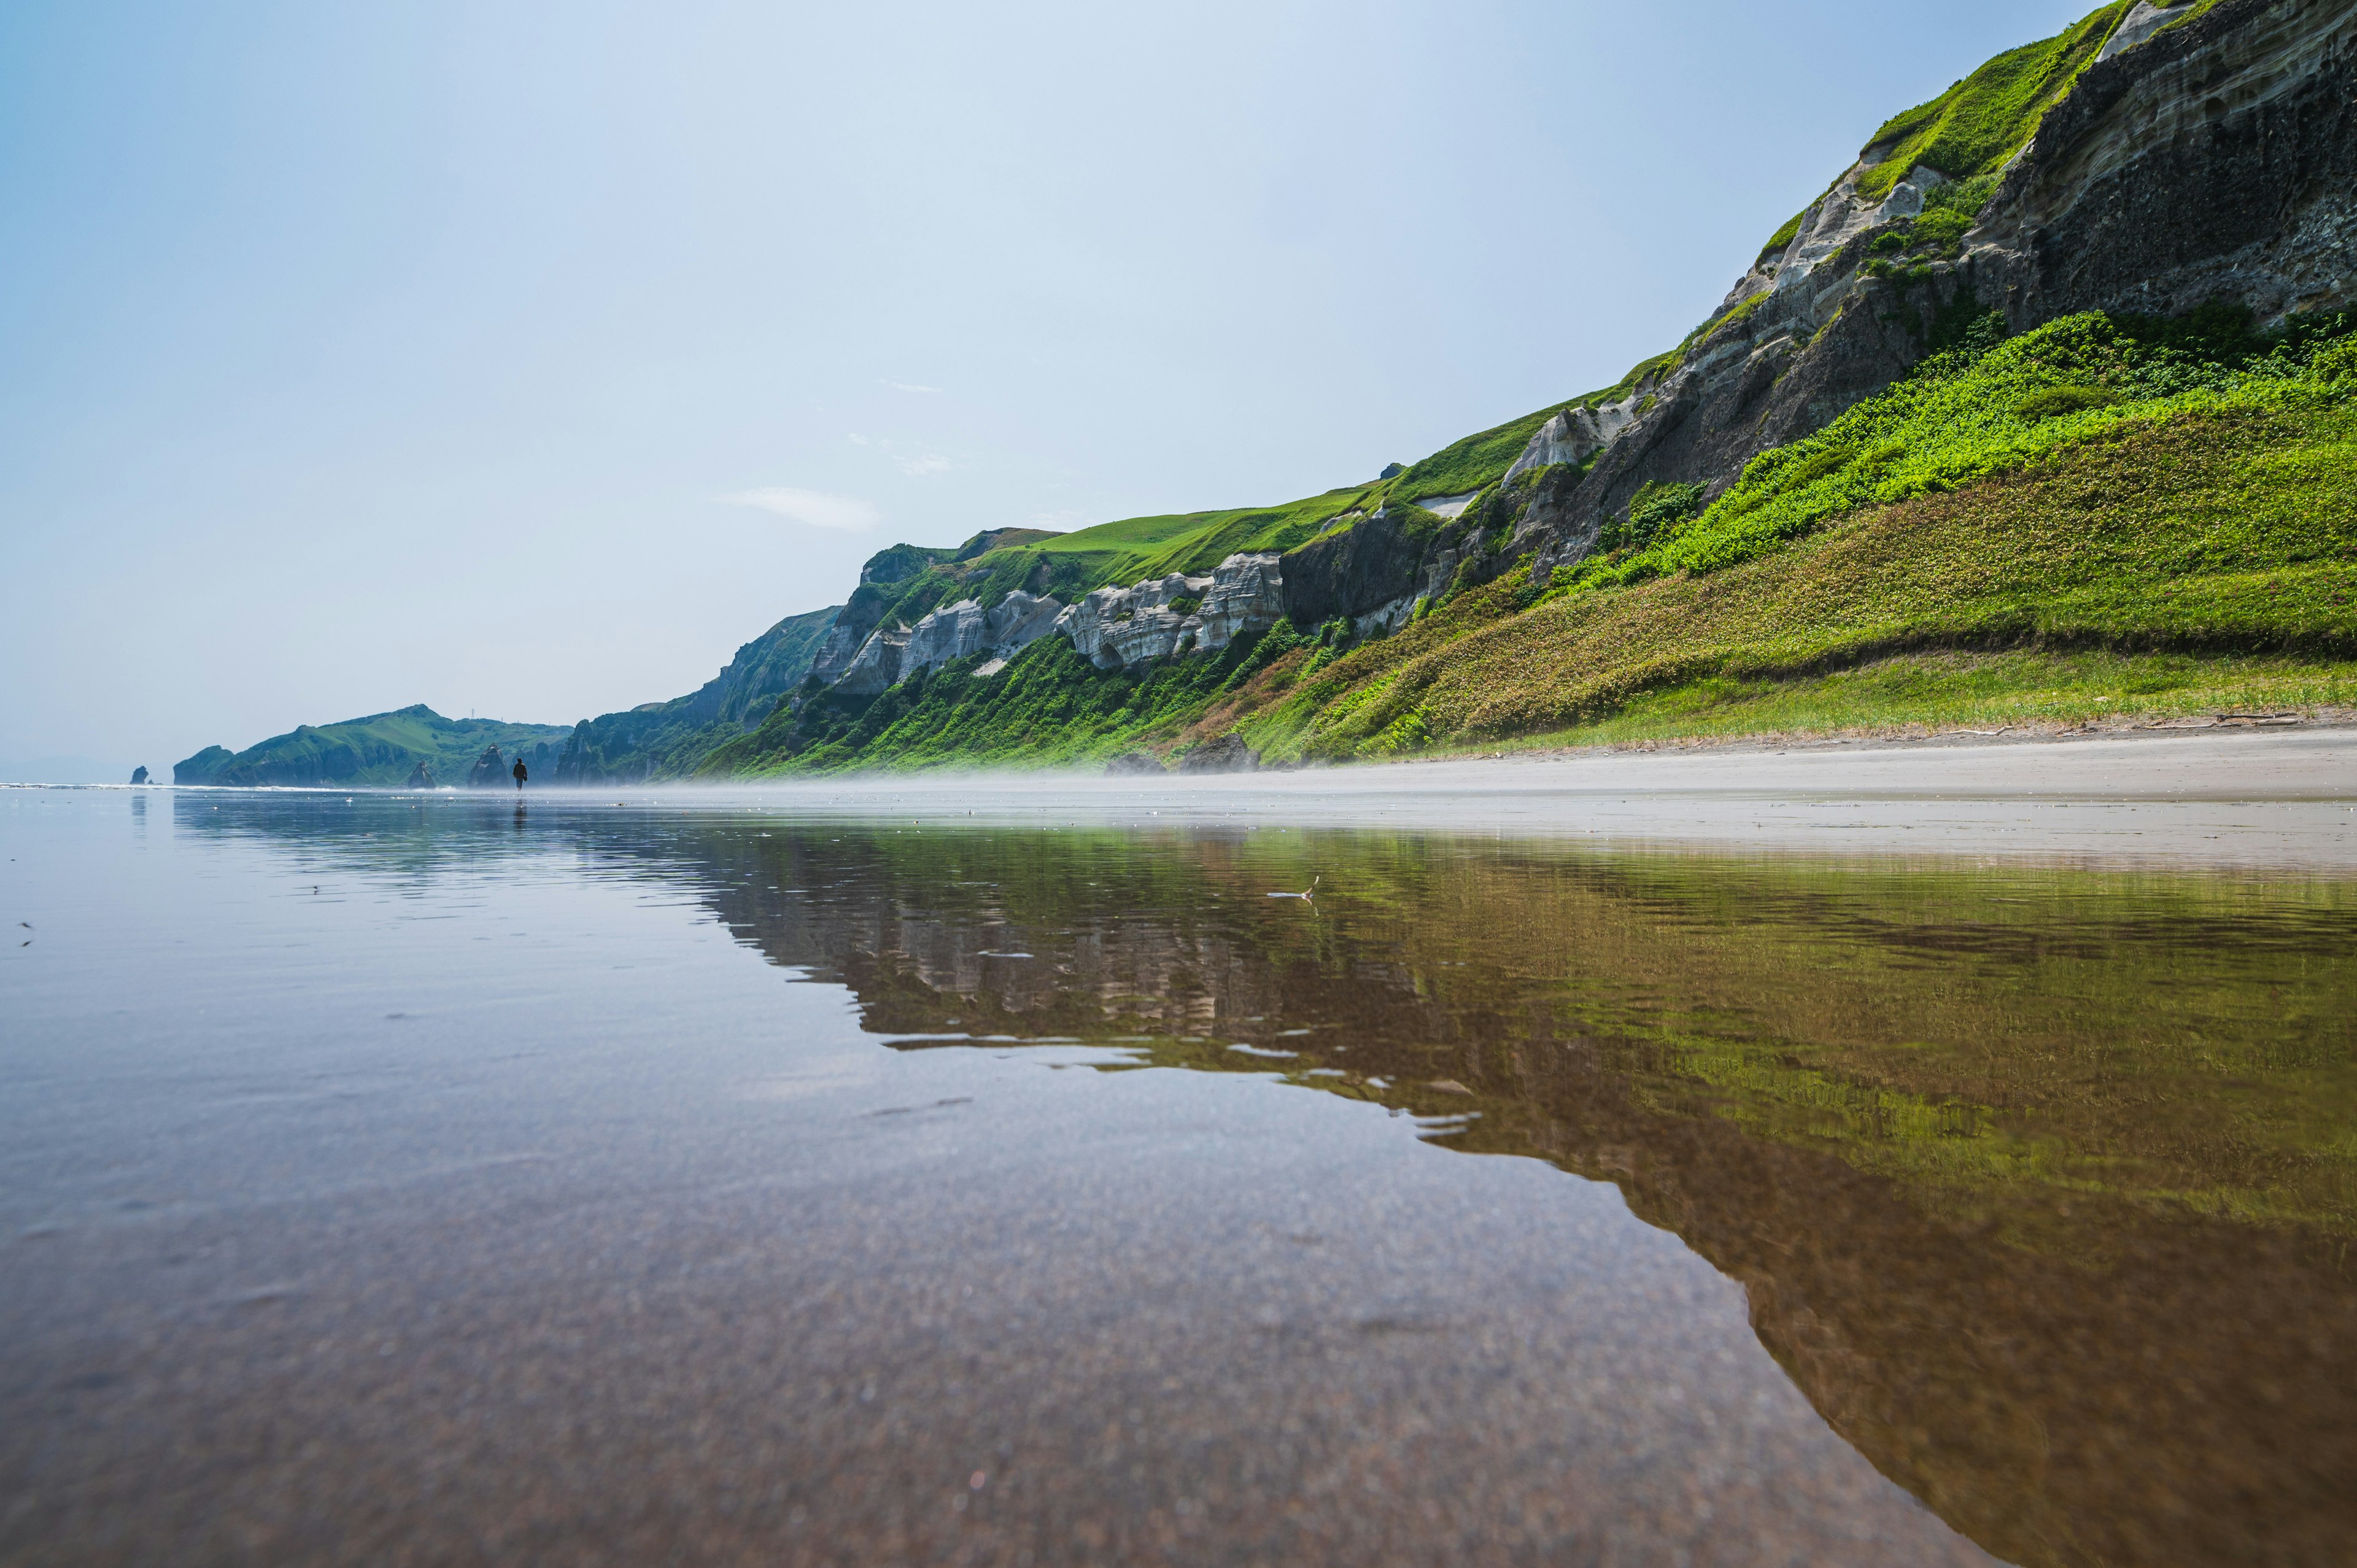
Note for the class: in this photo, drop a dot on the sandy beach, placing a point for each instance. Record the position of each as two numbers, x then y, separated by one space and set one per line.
2277 798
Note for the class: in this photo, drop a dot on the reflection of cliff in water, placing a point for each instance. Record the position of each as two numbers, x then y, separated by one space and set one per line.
2041 1183
2045 1204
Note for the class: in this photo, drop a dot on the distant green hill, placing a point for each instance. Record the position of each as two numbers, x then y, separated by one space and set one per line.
382 749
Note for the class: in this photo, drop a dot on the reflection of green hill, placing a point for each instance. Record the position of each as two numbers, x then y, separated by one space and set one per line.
2042 1182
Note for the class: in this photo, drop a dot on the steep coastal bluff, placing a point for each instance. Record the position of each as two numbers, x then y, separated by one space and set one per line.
2061 368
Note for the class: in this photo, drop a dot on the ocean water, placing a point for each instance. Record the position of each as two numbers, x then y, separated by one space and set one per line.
810 1178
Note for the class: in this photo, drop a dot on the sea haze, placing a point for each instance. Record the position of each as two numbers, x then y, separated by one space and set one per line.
828 1177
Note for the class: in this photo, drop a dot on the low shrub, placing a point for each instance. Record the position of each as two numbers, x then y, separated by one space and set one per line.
2056 402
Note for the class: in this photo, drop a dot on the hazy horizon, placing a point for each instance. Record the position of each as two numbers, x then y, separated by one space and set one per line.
527 363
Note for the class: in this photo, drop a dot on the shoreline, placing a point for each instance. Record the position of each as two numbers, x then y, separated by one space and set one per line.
2280 799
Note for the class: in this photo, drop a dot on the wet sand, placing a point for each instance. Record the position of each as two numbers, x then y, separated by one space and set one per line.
506 1208
2283 798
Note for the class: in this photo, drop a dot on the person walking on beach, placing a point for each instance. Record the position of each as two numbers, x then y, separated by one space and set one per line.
521 775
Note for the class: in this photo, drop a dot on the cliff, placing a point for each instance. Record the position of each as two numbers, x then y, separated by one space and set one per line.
662 740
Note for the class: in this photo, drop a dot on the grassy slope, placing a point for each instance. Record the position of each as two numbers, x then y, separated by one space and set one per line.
1975 126
381 749
2202 523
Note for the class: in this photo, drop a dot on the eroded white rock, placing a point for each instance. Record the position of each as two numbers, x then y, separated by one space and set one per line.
962 630
1841 215
1115 628
1576 435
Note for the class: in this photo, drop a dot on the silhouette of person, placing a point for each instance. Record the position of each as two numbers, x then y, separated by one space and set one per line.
521 775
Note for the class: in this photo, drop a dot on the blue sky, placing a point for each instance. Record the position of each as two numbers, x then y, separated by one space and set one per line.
525 358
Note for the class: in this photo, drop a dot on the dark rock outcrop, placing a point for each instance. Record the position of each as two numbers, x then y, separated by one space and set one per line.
1349 572
1224 754
490 771
1135 763
422 775
139 775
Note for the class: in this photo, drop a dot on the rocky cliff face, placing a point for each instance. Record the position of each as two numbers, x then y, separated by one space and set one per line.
660 740
2214 159
1118 629
1114 627
892 654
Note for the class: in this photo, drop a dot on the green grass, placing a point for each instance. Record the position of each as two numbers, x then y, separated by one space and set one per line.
1975 126
2189 9
2030 691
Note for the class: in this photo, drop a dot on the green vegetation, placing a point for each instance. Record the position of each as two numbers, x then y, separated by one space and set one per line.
1477 461
1132 550
1975 126
379 750
2189 9
2100 488
2212 512
1481 460
1048 706
2027 691
2054 402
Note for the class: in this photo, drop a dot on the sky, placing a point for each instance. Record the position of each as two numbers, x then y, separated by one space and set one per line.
524 357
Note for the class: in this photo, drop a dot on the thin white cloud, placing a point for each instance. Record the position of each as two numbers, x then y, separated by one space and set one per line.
909 386
914 467
810 508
